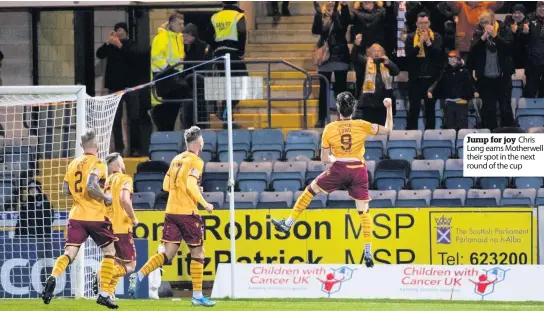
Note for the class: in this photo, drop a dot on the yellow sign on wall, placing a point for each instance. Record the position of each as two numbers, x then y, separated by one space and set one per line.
442 236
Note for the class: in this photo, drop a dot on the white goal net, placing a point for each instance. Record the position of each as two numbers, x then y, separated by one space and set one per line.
39 135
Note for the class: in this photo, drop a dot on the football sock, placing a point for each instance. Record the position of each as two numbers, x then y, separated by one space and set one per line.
302 203
366 227
60 265
197 274
119 271
107 268
155 262
113 285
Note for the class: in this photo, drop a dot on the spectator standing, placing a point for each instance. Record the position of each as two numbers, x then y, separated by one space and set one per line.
167 50
1 60
369 21
516 22
228 34
424 57
456 86
121 72
468 13
377 72
196 50
533 36
490 57
331 23
276 11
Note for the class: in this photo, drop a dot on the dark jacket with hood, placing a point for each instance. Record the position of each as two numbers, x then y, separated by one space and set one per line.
454 83
198 50
371 24
534 41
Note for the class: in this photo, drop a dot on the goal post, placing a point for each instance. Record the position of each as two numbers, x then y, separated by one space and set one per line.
40 128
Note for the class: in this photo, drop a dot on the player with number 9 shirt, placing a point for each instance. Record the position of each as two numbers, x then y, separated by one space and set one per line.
345 139
83 181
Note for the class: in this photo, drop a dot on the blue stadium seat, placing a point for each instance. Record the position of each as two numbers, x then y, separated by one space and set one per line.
540 197
301 143
531 103
288 176
244 200
518 197
216 176
461 135
268 145
371 169
148 182
391 174
500 183
315 168
210 145
340 199
426 174
448 197
384 198
399 122
528 182
276 200
528 118
413 198
404 145
254 176
438 144
143 200
483 198
539 129
453 176
217 199
318 201
374 147
241 145
164 146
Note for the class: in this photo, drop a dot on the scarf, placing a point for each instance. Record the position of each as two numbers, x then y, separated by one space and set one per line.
419 43
369 86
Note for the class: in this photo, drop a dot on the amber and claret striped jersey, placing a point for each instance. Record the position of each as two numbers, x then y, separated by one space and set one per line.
115 184
180 201
346 138
85 208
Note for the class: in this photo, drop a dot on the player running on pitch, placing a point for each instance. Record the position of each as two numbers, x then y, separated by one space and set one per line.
87 218
182 220
345 139
119 186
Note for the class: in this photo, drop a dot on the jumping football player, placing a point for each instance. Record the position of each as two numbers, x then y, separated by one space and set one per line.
119 186
83 181
345 139
182 220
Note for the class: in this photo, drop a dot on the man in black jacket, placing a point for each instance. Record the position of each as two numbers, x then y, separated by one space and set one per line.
534 41
490 56
121 72
196 51
424 56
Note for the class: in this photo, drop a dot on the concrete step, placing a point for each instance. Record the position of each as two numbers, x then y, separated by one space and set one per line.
305 63
283 26
284 78
282 54
292 91
264 47
298 19
282 36
305 8
278 107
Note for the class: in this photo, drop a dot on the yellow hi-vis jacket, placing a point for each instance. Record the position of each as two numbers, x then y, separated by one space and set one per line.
166 49
225 25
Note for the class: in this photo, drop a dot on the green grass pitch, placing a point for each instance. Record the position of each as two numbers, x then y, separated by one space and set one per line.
271 305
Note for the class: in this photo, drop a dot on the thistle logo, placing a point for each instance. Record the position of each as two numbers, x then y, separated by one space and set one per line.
334 279
487 281
443 230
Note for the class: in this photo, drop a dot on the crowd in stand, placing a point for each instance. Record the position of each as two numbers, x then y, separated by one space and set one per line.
453 51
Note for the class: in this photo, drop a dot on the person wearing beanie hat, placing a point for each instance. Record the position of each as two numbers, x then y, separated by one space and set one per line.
122 71
515 21
456 86
531 33
196 51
